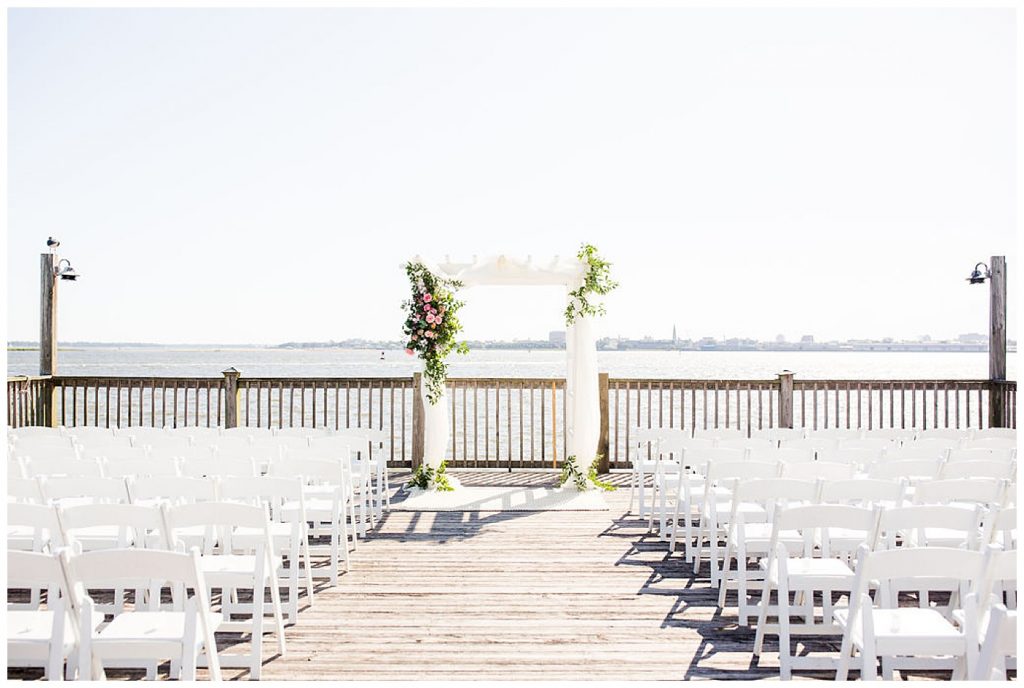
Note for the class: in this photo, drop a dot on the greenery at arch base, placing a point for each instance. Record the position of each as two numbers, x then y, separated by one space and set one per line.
571 472
425 478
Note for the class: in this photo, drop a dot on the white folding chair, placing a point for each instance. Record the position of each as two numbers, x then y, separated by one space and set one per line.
864 492
689 489
751 443
788 455
986 433
719 433
148 633
719 481
777 435
955 434
645 448
326 510
290 537
1004 443
905 637
750 528
141 435
33 528
39 637
355 438
235 560
899 435
27 431
858 457
814 443
219 467
151 490
807 574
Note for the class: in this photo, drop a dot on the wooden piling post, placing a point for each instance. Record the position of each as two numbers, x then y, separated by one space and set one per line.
47 315
997 342
417 420
602 442
785 399
231 398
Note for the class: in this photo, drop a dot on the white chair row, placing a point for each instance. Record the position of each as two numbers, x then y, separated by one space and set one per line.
240 550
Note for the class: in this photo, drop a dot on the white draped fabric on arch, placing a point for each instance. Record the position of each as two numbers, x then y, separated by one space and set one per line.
583 414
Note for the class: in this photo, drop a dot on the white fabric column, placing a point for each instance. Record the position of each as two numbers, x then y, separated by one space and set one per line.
584 405
435 428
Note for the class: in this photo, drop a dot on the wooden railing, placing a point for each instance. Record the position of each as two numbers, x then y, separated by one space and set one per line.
508 422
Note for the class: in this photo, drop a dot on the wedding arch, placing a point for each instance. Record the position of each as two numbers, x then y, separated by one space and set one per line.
431 330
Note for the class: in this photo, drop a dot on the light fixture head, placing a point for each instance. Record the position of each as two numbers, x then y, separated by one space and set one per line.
64 271
977 276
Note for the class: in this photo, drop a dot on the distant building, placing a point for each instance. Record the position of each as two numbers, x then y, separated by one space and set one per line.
807 339
674 338
556 337
780 339
973 338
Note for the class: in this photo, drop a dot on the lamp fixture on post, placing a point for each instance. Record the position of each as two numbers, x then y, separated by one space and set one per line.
996 276
51 269
977 276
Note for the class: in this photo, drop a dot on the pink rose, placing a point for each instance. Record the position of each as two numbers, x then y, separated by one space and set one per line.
427 298
414 338
437 319
430 318
409 351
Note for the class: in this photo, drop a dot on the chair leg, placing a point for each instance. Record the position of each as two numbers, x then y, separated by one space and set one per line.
762 617
256 658
785 659
632 489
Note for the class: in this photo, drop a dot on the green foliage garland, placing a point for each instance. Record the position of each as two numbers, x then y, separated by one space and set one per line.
598 280
431 323
425 477
571 471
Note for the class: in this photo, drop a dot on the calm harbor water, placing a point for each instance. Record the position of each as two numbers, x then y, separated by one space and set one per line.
260 362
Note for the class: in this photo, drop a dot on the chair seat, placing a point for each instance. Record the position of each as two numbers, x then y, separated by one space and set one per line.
805 573
230 569
757 537
907 631
317 509
31 627
133 634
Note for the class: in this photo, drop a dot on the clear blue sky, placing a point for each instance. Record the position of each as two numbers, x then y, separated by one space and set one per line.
260 175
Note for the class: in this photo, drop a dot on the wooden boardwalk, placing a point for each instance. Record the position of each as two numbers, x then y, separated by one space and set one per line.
526 595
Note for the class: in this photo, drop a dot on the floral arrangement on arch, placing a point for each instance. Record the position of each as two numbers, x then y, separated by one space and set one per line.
431 324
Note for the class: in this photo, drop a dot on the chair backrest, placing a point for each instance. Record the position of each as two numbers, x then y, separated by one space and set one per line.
325 451
976 454
700 459
165 443
985 433
15 469
899 434
863 492
33 527
173 489
918 525
134 568
130 468
912 469
194 433
85 489
221 466
719 433
992 443
134 523
69 467
778 434
674 444
300 432
30 444
141 435
912 452
956 434
641 436
740 470
270 490
190 452
835 433
30 570
310 470
774 492
873 444
813 443
114 452
984 491
84 433
219 520
853 456
24 490
818 470
818 522
941 445
96 443
787 455
45 451
751 443
920 568
1005 470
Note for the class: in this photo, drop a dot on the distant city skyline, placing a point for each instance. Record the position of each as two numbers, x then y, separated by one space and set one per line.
257 175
